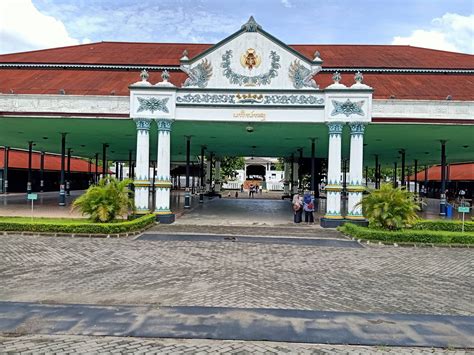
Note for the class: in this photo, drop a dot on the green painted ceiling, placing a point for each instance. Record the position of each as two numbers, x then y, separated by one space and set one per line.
85 137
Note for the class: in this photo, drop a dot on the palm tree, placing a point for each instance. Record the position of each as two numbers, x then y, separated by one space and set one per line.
106 201
390 208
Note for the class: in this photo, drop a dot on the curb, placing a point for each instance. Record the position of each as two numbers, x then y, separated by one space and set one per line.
78 235
413 245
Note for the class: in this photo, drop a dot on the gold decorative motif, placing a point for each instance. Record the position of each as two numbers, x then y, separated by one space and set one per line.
250 59
249 98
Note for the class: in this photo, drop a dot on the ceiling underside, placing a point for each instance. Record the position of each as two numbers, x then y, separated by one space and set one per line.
86 136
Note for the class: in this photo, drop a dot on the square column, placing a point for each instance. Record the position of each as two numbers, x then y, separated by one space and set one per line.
163 182
208 175
333 216
355 187
142 177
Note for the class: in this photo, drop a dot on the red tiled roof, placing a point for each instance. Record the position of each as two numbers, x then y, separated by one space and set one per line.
457 172
131 53
104 82
427 86
18 159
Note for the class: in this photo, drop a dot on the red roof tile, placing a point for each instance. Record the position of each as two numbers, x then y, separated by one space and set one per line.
457 172
104 82
370 56
18 159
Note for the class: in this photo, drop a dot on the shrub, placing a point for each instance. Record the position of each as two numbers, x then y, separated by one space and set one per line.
106 200
390 208
443 225
408 235
71 227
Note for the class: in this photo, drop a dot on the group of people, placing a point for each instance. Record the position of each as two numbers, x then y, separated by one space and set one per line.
254 189
306 204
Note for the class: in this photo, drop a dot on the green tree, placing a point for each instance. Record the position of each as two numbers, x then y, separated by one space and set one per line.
105 201
230 165
390 208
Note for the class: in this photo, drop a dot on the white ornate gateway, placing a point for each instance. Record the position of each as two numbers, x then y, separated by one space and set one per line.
252 76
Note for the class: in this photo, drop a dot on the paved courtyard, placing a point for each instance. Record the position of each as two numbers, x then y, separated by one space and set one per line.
266 266
228 274
87 344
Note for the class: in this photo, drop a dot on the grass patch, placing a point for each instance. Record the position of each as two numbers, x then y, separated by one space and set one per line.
73 226
43 220
443 225
408 235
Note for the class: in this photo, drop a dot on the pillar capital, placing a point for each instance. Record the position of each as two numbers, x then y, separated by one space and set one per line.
143 124
164 124
335 127
357 128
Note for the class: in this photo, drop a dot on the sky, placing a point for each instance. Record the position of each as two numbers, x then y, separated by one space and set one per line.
36 24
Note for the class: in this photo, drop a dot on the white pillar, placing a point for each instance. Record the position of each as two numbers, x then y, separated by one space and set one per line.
355 186
163 179
295 178
286 179
218 181
142 177
334 186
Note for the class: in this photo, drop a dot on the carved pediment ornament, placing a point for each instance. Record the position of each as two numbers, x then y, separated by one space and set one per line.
250 59
248 80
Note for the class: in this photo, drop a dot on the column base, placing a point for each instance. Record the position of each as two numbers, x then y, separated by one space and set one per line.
331 222
334 223
167 218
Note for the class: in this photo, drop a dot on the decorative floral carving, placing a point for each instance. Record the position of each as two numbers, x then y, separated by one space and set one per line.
301 76
347 108
246 80
199 75
263 99
251 25
153 104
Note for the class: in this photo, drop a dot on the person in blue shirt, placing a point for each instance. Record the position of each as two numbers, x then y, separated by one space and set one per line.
308 207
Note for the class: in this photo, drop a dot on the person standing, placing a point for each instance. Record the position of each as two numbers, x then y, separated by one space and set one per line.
297 208
308 207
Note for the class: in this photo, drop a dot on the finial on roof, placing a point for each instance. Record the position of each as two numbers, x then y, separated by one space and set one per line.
184 56
251 25
165 75
358 77
317 57
336 77
144 75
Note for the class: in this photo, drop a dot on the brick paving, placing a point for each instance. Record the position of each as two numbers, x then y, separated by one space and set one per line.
34 344
242 275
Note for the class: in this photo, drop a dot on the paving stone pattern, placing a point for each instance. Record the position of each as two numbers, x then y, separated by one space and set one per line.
243 275
34 344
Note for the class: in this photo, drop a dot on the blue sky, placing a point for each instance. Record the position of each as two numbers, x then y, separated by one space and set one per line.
440 24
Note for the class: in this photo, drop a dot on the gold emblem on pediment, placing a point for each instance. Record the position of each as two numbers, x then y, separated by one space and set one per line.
250 59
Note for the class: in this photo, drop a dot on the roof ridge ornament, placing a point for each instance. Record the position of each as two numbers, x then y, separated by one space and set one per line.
165 75
317 57
144 75
184 56
336 77
359 82
251 25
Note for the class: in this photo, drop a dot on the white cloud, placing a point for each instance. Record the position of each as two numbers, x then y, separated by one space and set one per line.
23 28
451 32
286 3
